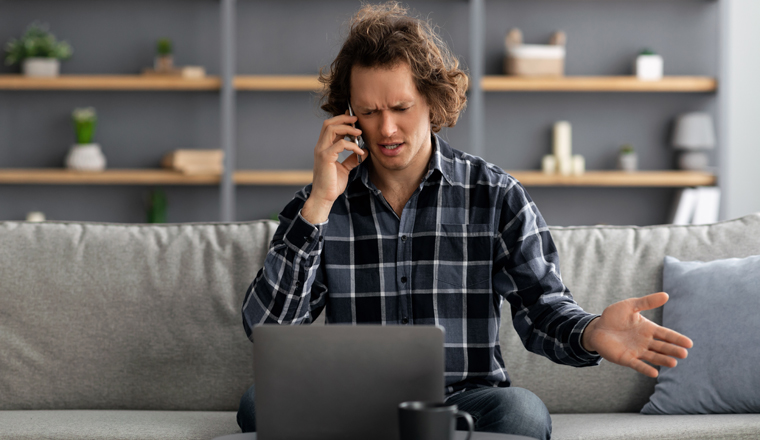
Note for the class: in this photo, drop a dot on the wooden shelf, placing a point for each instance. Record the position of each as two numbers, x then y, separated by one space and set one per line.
48 176
60 176
618 178
108 82
292 83
283 177
683 84
527 178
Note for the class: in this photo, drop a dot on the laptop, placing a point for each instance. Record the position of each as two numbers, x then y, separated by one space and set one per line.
342 381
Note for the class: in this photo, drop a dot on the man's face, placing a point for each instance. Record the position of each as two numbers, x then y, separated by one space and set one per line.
393 116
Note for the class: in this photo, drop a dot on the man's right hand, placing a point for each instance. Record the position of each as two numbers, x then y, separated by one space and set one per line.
330 175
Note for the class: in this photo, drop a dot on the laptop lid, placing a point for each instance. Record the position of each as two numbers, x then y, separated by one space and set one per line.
342 381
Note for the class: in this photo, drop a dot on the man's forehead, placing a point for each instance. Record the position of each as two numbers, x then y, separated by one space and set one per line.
393 104
373 87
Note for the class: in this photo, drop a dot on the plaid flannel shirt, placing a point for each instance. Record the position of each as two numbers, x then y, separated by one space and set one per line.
469 238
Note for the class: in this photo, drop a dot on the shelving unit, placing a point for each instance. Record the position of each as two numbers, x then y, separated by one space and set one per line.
228 83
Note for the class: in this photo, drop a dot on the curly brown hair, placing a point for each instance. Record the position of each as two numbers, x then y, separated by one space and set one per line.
385 35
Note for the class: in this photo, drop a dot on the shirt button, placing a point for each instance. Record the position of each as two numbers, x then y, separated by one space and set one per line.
320 238
403 279
405 320
403 238
308 239
298 284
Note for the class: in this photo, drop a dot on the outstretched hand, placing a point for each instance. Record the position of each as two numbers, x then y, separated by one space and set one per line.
622 336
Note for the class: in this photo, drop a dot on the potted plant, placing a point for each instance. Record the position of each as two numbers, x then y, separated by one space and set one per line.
164 62
627 160
85 155
157 204
649 66
38 52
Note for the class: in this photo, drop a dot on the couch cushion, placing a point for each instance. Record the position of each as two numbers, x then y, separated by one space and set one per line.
637 426
106 316
716 304
116 425
605 264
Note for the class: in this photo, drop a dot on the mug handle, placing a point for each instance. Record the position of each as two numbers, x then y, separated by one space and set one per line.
470 423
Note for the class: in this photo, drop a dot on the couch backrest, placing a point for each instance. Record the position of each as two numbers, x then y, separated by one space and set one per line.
105 316
605 264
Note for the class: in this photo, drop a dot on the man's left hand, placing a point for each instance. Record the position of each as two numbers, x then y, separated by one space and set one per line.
622 336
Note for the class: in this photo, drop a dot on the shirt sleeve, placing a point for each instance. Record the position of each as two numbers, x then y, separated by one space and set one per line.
527 274
289 288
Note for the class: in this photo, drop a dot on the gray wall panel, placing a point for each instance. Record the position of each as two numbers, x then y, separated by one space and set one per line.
106 203
120 36
604 37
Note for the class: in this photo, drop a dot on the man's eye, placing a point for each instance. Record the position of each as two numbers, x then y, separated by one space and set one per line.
403 109
367 114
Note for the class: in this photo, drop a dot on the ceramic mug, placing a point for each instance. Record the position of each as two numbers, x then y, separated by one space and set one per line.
430 421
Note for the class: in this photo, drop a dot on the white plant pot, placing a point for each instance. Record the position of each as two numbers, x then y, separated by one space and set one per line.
649 67
41 67
86 157
628 162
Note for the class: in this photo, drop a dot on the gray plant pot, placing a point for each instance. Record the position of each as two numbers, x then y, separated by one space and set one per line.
628 162
41 67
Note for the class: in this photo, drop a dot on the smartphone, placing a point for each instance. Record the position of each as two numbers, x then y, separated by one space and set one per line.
355 139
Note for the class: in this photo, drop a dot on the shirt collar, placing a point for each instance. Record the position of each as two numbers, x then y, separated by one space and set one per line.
442 160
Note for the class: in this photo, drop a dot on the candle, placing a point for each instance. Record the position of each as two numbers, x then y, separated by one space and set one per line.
565 166
563 142
35 216
579 165
549 164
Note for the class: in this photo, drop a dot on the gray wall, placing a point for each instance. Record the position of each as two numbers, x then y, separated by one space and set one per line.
741 109
278 130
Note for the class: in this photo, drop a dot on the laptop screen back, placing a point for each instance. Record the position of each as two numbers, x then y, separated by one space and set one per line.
340 381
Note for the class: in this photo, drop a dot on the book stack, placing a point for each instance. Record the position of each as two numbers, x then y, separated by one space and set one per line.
195 161
193 72
696 206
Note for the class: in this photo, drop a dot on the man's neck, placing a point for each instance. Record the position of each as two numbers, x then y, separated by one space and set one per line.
398 185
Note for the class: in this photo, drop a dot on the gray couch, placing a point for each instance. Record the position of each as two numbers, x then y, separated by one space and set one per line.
134 331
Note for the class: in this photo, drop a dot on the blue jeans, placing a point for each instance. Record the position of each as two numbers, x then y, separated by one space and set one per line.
509 410
503 410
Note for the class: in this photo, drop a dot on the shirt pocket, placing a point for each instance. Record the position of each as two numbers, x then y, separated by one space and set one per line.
463 255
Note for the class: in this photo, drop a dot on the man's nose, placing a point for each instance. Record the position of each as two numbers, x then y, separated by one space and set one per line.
388 127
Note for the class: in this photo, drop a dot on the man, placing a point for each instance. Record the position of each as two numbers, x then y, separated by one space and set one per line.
420 233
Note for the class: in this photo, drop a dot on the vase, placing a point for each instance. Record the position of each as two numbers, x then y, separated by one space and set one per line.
649 67
628 162
41 67
86 157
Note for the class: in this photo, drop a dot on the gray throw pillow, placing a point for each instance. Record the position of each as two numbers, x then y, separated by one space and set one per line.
717 305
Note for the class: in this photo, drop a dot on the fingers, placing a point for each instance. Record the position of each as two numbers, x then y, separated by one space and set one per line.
351 162
650 302
334 133
342 145
659 359
341 123
668 349
673 337
643 368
